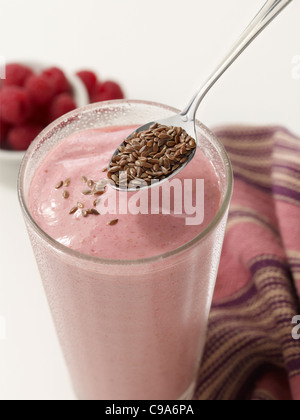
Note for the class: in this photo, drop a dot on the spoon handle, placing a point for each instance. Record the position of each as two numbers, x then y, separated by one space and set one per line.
269 11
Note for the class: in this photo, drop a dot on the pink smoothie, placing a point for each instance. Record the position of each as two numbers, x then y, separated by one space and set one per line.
130 331
135 236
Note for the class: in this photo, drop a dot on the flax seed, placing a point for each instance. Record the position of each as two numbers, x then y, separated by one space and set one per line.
113 222
115 179
192 143
84 179
164 137
66 195
153 161
155 148
171 143
95 212
115 169
73 210
59 185
96 202
150 143
133 172
123 162
147 165
99 193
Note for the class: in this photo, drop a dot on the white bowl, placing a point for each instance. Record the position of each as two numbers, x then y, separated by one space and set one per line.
80 95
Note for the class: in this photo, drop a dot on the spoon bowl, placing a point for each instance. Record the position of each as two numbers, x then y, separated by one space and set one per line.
176 121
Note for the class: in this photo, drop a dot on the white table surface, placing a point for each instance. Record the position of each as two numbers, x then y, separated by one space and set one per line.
184 41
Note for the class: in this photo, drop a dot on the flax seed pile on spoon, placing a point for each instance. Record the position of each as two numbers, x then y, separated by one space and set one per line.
152 154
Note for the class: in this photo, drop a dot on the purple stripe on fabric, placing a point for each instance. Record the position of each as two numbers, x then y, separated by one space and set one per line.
275 354
277 284
290 168
289 341
250 293
240 213
228 320
260 187
236 334
284 321
240 315
254 343
244 299
246 134
286 192
286 147
268 262
241 165
252 153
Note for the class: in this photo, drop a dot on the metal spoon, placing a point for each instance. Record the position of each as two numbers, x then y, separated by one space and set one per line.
186 119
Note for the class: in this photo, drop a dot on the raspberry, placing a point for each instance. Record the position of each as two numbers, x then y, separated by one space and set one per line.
41 90
107 91
61 105
40 116
19 138
15 105
89 79
58 79
17 75
3 132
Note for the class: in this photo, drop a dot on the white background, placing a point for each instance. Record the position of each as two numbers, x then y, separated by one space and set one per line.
160 50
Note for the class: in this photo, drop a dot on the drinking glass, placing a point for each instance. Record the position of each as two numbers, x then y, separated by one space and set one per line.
134 329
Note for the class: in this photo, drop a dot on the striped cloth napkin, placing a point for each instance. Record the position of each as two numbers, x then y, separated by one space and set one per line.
252 350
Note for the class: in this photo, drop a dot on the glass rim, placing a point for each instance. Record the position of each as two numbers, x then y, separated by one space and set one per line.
80 256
